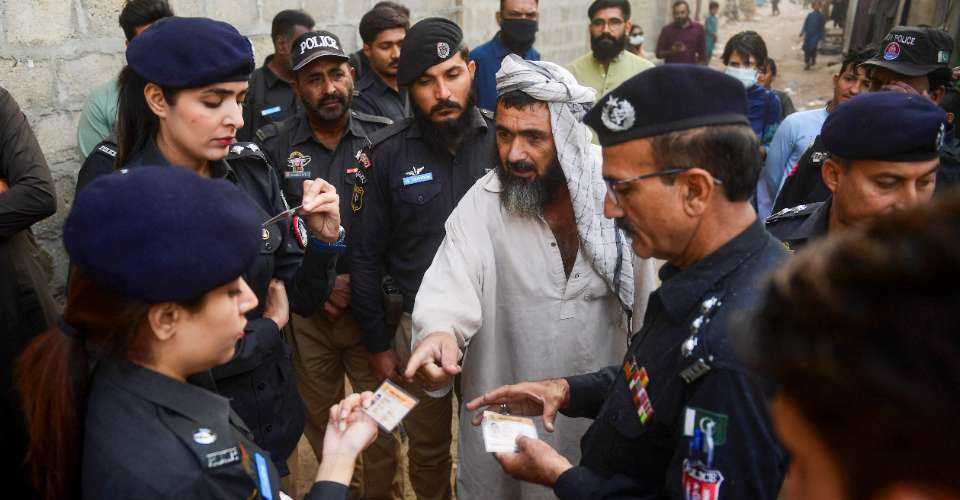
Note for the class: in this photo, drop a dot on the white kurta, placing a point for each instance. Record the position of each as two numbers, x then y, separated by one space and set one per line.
498 283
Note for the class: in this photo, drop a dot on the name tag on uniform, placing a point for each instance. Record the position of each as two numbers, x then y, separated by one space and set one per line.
270 111
417 179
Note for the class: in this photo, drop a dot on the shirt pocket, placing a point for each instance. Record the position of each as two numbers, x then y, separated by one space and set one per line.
420 193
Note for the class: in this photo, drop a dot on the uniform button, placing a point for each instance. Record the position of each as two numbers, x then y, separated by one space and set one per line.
268 246
420 198
576 276
261 386
553 243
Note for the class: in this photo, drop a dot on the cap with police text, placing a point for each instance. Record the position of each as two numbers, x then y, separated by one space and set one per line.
313 45
189 52
162 234
913 51
647 104
428 43
884 126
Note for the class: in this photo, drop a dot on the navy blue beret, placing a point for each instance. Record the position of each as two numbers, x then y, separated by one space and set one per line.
887 126
189 52
162 233
428 43
668 98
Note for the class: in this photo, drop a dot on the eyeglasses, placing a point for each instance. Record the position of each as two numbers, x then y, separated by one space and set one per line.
613 22
613 184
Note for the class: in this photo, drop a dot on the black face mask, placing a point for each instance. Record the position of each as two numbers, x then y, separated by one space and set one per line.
518 35
606 48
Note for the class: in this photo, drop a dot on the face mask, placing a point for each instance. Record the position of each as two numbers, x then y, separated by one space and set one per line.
636 40
747 76
518 34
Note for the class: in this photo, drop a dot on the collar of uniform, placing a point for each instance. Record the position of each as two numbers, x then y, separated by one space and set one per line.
151 155
370 81
304 132
816 224
476 122
186 399
682 289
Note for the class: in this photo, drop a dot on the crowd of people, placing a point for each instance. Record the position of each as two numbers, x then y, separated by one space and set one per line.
695 292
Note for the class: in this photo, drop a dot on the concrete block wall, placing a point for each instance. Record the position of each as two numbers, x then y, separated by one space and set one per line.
54 52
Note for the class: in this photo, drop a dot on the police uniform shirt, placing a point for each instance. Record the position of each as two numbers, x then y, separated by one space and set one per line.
150 436
804 185
797 226
269 100
259 380
692 380
376 98
298 156
411 190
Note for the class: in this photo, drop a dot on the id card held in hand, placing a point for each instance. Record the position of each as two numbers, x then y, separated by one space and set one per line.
500 432
390 405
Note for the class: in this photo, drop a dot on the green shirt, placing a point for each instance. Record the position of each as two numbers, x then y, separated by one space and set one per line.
99 116
591 73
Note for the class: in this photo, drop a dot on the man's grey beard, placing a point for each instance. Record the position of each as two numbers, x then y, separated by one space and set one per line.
527 198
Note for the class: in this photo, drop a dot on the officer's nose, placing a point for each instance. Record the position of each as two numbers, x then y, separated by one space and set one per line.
234 116
395 52
442 91
909 197
248 300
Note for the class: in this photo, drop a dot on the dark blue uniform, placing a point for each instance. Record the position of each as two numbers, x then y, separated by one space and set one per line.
375 97
150 436
260 379
692 381
410 192
799 225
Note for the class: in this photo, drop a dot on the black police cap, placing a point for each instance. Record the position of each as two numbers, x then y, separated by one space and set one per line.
885 126
313 45
428 43
162 234
189 52
913 51
668 98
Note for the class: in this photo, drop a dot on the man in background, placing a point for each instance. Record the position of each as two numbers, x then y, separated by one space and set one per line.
99 115
270 97
518 20
382 30
684 40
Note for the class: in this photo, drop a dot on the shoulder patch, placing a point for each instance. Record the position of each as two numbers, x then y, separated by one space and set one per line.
389 131
246 150
267 131
107 148
486 113
371 118
794 212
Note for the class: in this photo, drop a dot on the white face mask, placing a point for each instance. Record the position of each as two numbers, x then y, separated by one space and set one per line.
747 76
636 40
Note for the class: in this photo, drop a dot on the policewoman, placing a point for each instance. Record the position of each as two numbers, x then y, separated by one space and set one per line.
181 104
110 411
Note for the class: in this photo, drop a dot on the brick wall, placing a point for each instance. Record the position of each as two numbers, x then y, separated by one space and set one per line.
53 52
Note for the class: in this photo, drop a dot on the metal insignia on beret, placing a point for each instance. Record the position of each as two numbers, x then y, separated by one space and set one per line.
618 114
204 436
443 50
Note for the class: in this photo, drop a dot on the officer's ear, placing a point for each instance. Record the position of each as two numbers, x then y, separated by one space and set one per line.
831 171
472 68
164 318
153 94
697 188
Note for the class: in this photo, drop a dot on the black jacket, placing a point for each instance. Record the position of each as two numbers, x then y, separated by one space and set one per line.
626 457
260 380
148 436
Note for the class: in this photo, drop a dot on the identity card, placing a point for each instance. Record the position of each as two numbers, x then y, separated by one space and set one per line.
390 405
500 432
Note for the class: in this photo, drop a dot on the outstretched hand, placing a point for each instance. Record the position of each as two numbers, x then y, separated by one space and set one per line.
532 399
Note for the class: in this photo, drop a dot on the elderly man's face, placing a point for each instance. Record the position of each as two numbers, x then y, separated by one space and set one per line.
528 170
650 210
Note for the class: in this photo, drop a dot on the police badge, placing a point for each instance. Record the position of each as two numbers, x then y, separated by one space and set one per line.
300 232
443 50
618 114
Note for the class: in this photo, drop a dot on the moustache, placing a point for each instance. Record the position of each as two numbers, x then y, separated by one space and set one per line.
605 38
443 105
521 166
622 224
394 63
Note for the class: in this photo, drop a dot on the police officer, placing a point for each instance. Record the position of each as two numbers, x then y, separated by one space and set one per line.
271 97
326 139
210 61
421 168
882 157
681 417
382 30
154 315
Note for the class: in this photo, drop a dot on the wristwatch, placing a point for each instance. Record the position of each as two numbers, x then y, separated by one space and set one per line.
336 246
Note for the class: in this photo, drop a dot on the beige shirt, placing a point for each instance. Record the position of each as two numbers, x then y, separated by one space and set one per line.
498 284
588 71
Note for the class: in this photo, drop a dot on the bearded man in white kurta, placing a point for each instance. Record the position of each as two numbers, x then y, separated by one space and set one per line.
531 281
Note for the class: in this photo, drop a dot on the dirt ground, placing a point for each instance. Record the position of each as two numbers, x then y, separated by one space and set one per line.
808 89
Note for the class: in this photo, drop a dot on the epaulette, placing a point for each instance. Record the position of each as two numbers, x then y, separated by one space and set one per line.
794 212
487 113
390 131
267 131
108 148
241 150
371 118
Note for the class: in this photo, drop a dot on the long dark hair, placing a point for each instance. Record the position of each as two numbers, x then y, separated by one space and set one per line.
136 123
52 378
